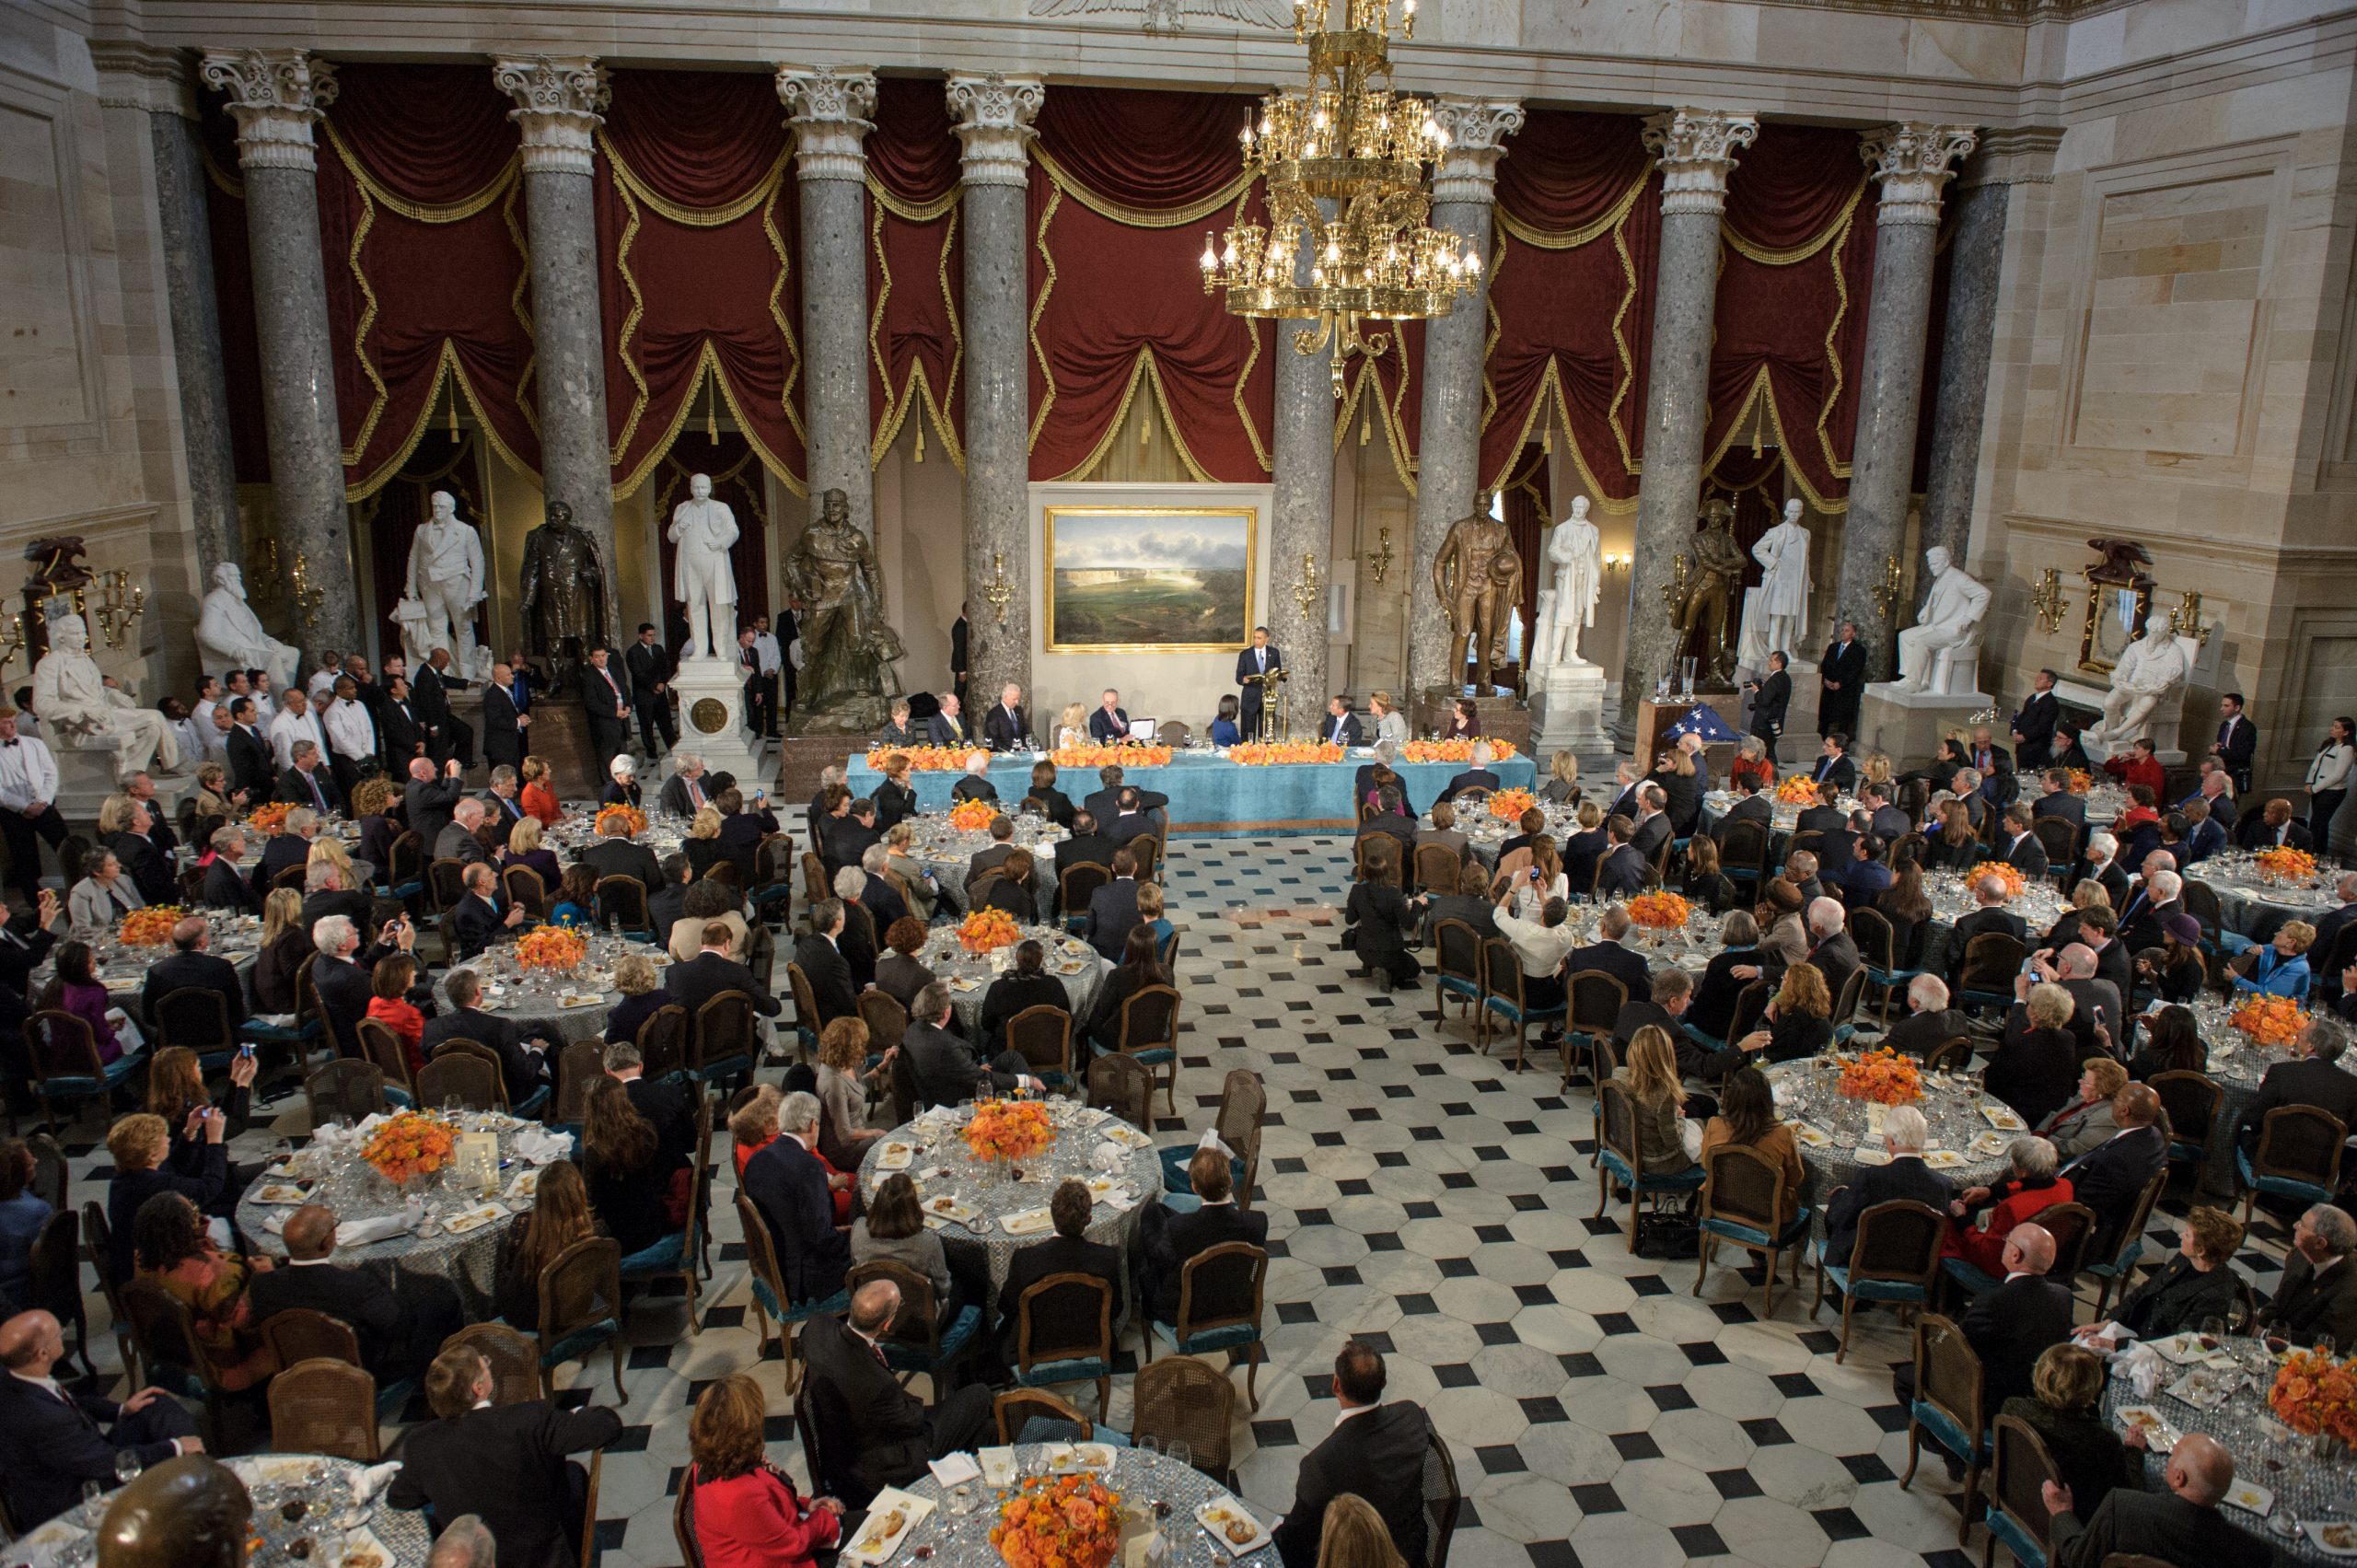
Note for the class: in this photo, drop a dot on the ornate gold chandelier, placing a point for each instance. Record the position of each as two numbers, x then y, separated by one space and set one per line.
1343 164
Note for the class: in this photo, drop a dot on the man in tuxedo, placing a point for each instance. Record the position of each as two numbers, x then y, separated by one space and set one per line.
397 725
1376 1451
2010 1327
523 1060
617 853
2182 1524
2318 1295
1006 725
1260 659
1168 1237
2271 827
1478 776
225 887
505 1465
190 966
1606 956
755 686
1068 1251
308 782
452 735
947 1069
2110 1176
2238 742
2033 722
960 642
1621 872
52 1442
874 1432
1113 908
1842 679
506 714
945 728
713 971
1988 914
824 966
2058 800
1110 724
1771 697
769 653
684 792
481 915
2311 1076
1930 1023
608 703
648 664
1905 1178
1833 764
250 764
398 1326
1750 806
2024 852
1341 728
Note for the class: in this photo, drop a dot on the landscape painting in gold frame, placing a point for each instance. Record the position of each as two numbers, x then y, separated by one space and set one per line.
1150 579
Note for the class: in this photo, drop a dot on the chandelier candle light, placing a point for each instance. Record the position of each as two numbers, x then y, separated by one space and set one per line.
1348 138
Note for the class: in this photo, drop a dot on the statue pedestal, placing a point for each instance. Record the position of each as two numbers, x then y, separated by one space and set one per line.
1567 710
711 718
1910 726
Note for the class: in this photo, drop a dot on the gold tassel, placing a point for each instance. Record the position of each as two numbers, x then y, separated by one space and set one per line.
453 411
1367 426
920 425
1146 428
712 409
1547 439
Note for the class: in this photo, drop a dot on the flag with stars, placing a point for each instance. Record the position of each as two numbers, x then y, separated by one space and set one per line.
1705 722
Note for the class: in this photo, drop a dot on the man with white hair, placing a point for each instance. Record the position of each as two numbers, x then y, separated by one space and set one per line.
1905 1178
789 1184
325 892
2317 1297
340 972
1930 1023
1831 949
884 902
457 842
2093 1002
2182 1524
2102 858
1005 726
1478 775
683 793
2329 926
2156 899
882 1435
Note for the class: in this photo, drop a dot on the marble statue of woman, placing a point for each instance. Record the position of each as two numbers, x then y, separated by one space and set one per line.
1781 602
702 578
445 579
1574 550
2151 671
230 635
78 709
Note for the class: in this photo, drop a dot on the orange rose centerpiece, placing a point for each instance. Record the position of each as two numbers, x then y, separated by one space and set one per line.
972 816
2078 781
1268 753
2316 1396
2004 873
1659 912
551 947
1112 757
2286 865
149 927
923 758
409 1146
986 931
1009 1129
269 819
1453 750
2269 1020
1796 789
1884 1076
1508 805
1068 1521
621 812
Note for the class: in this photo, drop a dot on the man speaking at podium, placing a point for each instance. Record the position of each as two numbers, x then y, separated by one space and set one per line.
1254 666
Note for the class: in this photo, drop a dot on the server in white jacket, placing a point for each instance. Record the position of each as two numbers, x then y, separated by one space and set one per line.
28 803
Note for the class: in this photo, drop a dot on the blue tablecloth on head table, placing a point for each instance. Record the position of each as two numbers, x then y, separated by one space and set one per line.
1212 797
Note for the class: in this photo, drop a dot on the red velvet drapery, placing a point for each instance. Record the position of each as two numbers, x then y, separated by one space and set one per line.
916 284
1570 297
736 474
421 218
1123 186
698 227
1386 394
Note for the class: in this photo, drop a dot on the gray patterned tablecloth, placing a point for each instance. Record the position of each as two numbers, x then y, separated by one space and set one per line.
536 999
2254 906
969 975
124 970
577 831
1139 1478
2307 1490
324 1485
947 851
1805 1093
939 1162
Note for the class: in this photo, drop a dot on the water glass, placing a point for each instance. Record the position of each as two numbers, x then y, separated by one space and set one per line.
1178 1452
127 1466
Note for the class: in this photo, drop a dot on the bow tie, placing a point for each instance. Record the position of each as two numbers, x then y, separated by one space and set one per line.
6 743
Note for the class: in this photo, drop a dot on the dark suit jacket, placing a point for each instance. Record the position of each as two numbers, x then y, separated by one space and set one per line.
623 857
601 698
1822 819
1378 1455
875 1433
2027 856
2035 1071
1112 910
1919 1034
1837 959
1841 770
789 1186
399 730
2070 807
2158 1524
1623 872
942 730
429 805
1110 728
1980 923
2240 749
1612 959
344 991
674 798
645 665
1908 1179
282 851
1770 703
1652 833
2252 832
48 1449
1343 731
707 975
225 889
2012 1326
480 922
2109 1178
946 1070
1746 808
828 973
1171 1239
2035 724
1057 1255
2305 1081
507 1466
1002 733
1011 994
204 971
519 1069
2303 1308
502 740
382 1318
250 763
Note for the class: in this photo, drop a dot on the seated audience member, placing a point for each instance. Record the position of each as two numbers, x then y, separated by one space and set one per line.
898 972
559 1216
1705 883
2084 1122
1027 986
389 1003
400 1325
1733 967
790 1185
843 1076
1445 831
2037 1062
2182 1524
2064 1408
170 1245
1140 968
706 901
2110 1177
2313 1075
1747 1118
877 1433
139 1145
176 1092
2175 972
1068 1251
639 982
2198 1282
1658 1101
1376 1450
947 1069
54 1441
505 1465
285 951
1664 1004
1585 847
1798 1023
747 1514
1169 1238
1608 954
2011 1325
1981 1218
523 1059
2280 966
1906 1178
2172 1044
634 1202
1930 1023
892 1231
2317 1297
73 988
22 1214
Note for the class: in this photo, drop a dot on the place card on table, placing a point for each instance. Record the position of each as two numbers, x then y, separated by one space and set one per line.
475 1218
955 1469
998 1466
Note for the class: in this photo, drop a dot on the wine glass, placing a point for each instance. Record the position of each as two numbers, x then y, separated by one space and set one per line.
127 1466
1180 1452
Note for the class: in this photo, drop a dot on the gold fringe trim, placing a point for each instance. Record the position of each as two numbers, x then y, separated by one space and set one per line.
1839 469
1628 382
1573 238
630 325
784 331
718 216
679 475
1146 369
919 385
1807 247
913 212
446 369
1550 399
1243 415
524 398
1038 306
1763 393
458 211
708 364
1395 432
1140 218
351 454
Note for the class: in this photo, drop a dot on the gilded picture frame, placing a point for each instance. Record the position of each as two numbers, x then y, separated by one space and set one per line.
1149 579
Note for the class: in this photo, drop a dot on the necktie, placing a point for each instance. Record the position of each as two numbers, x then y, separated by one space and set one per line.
695 793
318 800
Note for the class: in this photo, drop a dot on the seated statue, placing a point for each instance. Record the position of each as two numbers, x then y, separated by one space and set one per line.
1941 653
80 711
2145 687
230 636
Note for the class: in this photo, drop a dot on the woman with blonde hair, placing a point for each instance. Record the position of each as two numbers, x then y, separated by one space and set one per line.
1563 785
285 949
114 815
641 984
702 843
214 798
1072 725
922 893
176 1092
1877 771
843 1132
2063 1408
746 1512
1353 1534
538 795
329 850
527 847
1665 1139
1391 723
1798 1021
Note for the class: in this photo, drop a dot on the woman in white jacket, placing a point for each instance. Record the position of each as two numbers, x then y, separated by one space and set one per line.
2328 781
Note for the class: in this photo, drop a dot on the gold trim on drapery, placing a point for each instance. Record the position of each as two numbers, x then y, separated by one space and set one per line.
1762 393
1140 218
1793 255
1144 368
446 368
421 212
1573 238
1836 234
679 474
525 401
913 212
719 217
228 184
919 385
1243 376
1039 309
1395 430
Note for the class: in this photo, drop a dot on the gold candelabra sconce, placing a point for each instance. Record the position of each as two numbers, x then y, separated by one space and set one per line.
1673 592
2049 601
307 598
998 593
262 584
1309 590
12 639
1378 561
1888 592
2185 620
120 606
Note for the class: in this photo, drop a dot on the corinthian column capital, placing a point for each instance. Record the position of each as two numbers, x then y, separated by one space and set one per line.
828 107
1696 148
1914 164
557 103
1477 129
274 94
993 116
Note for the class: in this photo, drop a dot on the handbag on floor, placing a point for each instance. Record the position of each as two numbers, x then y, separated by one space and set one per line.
1670 1233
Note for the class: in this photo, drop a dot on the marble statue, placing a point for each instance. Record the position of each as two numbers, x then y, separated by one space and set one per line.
1941 653
230 635
1575 550
564 592
1781 604
1718 567
1477 575
189 1512
845 681
79 712
701 577
446 581
2152 672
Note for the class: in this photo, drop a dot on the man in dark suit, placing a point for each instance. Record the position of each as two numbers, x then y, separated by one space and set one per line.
326 892
53 1442
1006 725
428 800
824 966
1168 1237
286 850
664 1103
1994 764
191 965
1831 949
875 1433
523 1060
1772 695
1864 879
506 714
787 1183
482 917
2058 800
2010 1327
2329 926
1991 915
2110 1176
1930 1023
617 853
844 840
1262 657
1824 816
2099 861
1106 799
1842 679
1113 908
667 905
1905 1178
713 971
453 736
1478 776
1608 956
648 664
1653 828
607 701
398 1326
340 969
2023 850
1068 1251
147 863
1834 763
946 728
1130 818
1750 806
755 684
2033 722
308 781
1341 728
225 887
2312 1076
1085 847
947 1069
2238 742
505 1464
459 841
1621 871
2182 1524
399 730
2318 1297
1376 1451
1001 844
1110 724
2271 827
249 759
1671 990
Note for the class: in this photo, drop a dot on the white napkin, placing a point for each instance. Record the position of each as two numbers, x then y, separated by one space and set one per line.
2143 1368
274 1222
373 1481
1109 1158
218 1231
956 1468
542 1148
382 1228
1211 1139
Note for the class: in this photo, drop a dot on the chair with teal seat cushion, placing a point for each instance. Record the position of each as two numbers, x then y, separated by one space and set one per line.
805 1010
1243 1106
1504 1002
1743 1194
1620 1163
1745 847
1592 1003
675 1256
2190 1101
2019 1467
581 1295
1064 1333
2116 1269
772 1302
1985 978
2298 1156
195 1016
1457 965
1221 1294
917 1340
1147 1033
1894 1259
1950 1404
66 1069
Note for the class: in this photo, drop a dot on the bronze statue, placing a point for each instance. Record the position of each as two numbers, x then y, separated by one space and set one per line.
191 1511
58 566
1719 564
564 592
846 681
1477 575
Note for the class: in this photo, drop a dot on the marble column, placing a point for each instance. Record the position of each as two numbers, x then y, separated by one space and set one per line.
1448 455
1301 526
1913 163
557 100
274 95
829 106
993 116
1696 149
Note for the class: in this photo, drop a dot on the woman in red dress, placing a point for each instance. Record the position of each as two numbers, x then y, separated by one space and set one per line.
747 1514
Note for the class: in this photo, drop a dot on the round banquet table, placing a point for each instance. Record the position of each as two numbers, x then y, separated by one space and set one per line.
578 830
2037 903
1965 1144
1486 834
342 1179
947 851
969 975
2309 1493
562 1007
270 1479
1138 1478
2236 1063
931 1149
2254 906
122 970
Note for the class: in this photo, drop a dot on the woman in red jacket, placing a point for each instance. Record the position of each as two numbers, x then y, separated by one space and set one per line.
747 1514
2032 1186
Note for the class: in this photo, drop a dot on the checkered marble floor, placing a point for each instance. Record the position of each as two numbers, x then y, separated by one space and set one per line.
1436 1204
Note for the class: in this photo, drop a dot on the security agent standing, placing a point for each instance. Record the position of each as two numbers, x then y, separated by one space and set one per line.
1770 698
